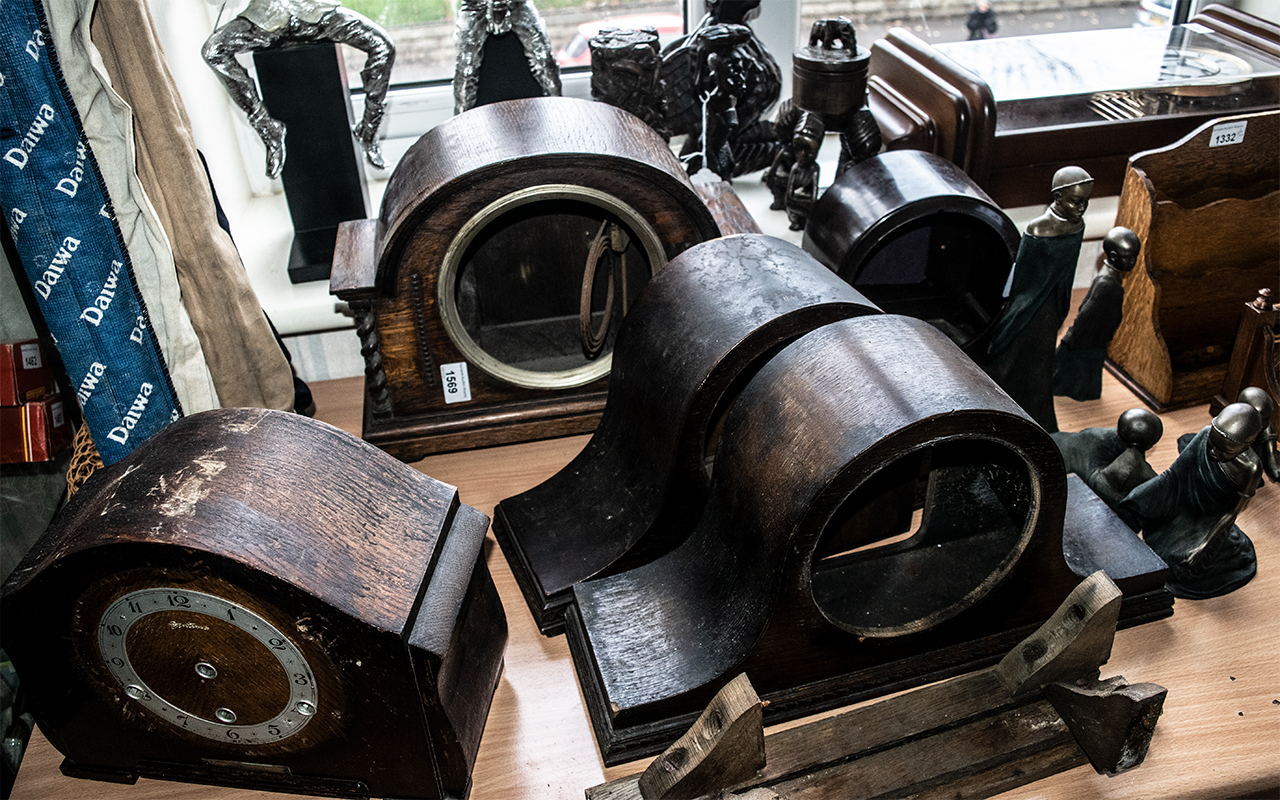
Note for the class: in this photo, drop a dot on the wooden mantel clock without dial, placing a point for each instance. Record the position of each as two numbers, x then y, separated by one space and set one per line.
511 242
257 599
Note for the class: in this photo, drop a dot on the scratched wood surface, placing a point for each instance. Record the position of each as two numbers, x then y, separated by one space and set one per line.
1219 659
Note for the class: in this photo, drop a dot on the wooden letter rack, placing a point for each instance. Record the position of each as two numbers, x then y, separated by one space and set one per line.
1206 213
257 599
880 515
469 287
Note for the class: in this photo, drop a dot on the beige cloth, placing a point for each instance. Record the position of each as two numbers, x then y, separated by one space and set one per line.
109 130
246 362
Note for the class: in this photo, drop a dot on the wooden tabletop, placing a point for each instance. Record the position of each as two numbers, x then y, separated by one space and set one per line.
1219 736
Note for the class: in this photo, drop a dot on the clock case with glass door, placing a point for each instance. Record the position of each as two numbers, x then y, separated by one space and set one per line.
511 242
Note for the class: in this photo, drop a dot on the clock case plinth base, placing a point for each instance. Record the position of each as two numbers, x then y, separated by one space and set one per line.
373 572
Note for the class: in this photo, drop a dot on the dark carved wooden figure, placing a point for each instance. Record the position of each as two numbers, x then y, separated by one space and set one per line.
918 237
1077 363
1187 513
512 241
719 81
829 79
259 600
1022 345
702 327
625 72
880 515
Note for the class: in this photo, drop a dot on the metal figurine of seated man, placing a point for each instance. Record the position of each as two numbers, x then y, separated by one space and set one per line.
1187 513
1112 461
265 23
498 29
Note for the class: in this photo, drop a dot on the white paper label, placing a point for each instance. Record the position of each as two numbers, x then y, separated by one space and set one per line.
457 386
1228 133
30 354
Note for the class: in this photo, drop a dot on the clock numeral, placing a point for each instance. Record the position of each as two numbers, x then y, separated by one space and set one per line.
179 600
135 608
118 661
276 644
301 679
274 730
232 735
114 630
231 614
183 719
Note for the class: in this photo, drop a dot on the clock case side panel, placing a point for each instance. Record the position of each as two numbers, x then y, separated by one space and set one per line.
456 646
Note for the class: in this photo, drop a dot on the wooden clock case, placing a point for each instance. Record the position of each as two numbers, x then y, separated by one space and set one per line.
916 235
880 516
369 572
484 228
712 318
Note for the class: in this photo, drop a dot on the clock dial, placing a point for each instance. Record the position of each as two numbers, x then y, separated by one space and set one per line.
1195 71
208 665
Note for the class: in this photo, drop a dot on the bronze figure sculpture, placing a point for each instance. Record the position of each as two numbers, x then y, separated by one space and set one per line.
1112 461
1264 446
1022 346
267 23
504 33
1077 363
1265 443
1187 513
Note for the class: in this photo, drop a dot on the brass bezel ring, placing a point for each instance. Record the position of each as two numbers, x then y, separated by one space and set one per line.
450 268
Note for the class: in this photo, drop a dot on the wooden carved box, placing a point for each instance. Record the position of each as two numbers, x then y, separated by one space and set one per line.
511 241
256 599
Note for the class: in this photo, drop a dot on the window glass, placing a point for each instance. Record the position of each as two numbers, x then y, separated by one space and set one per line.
423 31
995 18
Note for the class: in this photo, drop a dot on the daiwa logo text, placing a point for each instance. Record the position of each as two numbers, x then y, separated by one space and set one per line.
56 267
93 314
90 382
71 183
120 433
18 155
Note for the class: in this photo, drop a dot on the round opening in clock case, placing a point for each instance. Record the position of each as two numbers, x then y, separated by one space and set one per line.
529 276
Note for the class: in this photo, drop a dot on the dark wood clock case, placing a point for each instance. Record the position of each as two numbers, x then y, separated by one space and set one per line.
477 262
880 516
366 573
